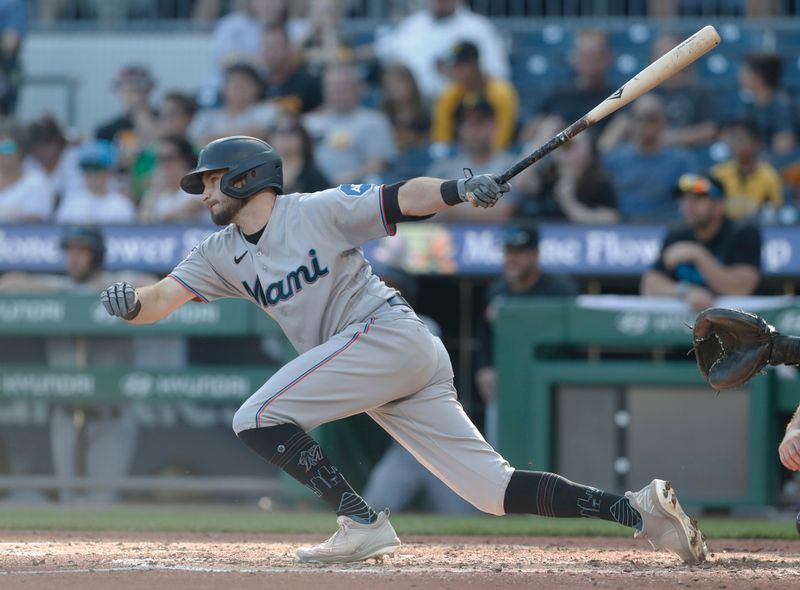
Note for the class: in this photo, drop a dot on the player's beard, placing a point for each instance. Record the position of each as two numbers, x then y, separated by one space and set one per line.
228 208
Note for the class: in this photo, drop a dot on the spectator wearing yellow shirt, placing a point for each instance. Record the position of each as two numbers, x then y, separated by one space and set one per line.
467 78
750 184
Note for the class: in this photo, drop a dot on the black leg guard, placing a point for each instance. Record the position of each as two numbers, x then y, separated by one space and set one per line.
548 494
288 447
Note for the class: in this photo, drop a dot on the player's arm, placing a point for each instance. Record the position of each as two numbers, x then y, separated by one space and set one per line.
145 305
789 449
423 196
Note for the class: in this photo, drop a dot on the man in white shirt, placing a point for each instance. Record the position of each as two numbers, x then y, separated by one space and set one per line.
98 203
425 38
25 194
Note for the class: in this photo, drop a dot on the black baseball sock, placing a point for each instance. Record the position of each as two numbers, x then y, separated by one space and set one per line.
288 447
548 494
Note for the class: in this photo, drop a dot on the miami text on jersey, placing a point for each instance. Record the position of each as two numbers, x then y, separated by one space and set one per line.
286 288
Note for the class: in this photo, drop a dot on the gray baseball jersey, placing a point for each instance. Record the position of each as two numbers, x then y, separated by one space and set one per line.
307 271
359 351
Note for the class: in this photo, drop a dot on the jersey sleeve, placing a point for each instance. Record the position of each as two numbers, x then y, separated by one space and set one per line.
197 274
350 214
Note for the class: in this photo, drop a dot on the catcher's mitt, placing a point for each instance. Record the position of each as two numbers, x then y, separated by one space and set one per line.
731 346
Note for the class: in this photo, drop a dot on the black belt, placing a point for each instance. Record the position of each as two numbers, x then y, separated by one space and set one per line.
395 300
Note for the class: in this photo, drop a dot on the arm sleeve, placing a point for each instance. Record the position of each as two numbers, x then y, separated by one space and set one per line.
197 275
349 215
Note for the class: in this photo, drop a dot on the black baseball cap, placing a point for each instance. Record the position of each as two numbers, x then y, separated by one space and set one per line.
462 52
474 103
521 237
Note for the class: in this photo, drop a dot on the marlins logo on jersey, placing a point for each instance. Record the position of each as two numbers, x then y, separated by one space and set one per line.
287 287
355 190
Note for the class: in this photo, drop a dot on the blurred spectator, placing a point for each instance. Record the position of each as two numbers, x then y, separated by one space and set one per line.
138 124
691 107
164 201
467 78
296 149
427 36
522 277
353 143
289 83
25 192
766 104
13 27
324 45
590 59
571 185
791 180
644 172
237 38
749 185
175 114
242 112
402 103
50 153
476 124
98 202
99 438
398 479
709 255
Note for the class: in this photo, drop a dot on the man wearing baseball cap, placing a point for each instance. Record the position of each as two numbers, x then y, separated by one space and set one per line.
522 277
709 255
466 77
476 122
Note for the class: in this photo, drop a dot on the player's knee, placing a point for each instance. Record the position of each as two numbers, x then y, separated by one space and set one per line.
243 419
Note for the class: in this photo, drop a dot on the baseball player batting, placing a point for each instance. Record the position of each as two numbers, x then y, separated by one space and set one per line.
361 349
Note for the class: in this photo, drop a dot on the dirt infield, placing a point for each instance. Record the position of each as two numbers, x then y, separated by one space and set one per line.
87 561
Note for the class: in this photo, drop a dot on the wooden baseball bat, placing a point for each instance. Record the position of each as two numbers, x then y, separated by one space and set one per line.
664 67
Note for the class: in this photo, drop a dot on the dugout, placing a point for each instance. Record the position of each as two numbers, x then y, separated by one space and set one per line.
602 390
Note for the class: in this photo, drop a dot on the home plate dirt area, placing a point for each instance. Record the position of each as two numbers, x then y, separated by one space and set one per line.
177 561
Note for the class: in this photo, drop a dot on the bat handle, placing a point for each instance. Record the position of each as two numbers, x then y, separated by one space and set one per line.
555 142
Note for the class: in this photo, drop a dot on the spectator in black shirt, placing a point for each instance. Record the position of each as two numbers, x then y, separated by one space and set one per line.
590 59
522 277
709 255
288 82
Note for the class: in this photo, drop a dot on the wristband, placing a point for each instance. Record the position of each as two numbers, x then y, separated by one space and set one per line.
449 190
134 312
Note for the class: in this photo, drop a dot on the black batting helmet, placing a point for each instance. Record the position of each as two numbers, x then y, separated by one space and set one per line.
87 236
247 159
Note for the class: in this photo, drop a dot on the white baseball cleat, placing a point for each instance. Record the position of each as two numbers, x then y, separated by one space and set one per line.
665 524
354 542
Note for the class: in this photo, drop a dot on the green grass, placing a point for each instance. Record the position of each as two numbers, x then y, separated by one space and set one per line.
251 521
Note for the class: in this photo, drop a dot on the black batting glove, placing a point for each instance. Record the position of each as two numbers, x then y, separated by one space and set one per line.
481 190
121 300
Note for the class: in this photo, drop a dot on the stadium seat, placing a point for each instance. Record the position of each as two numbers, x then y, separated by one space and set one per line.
548 36
633 38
